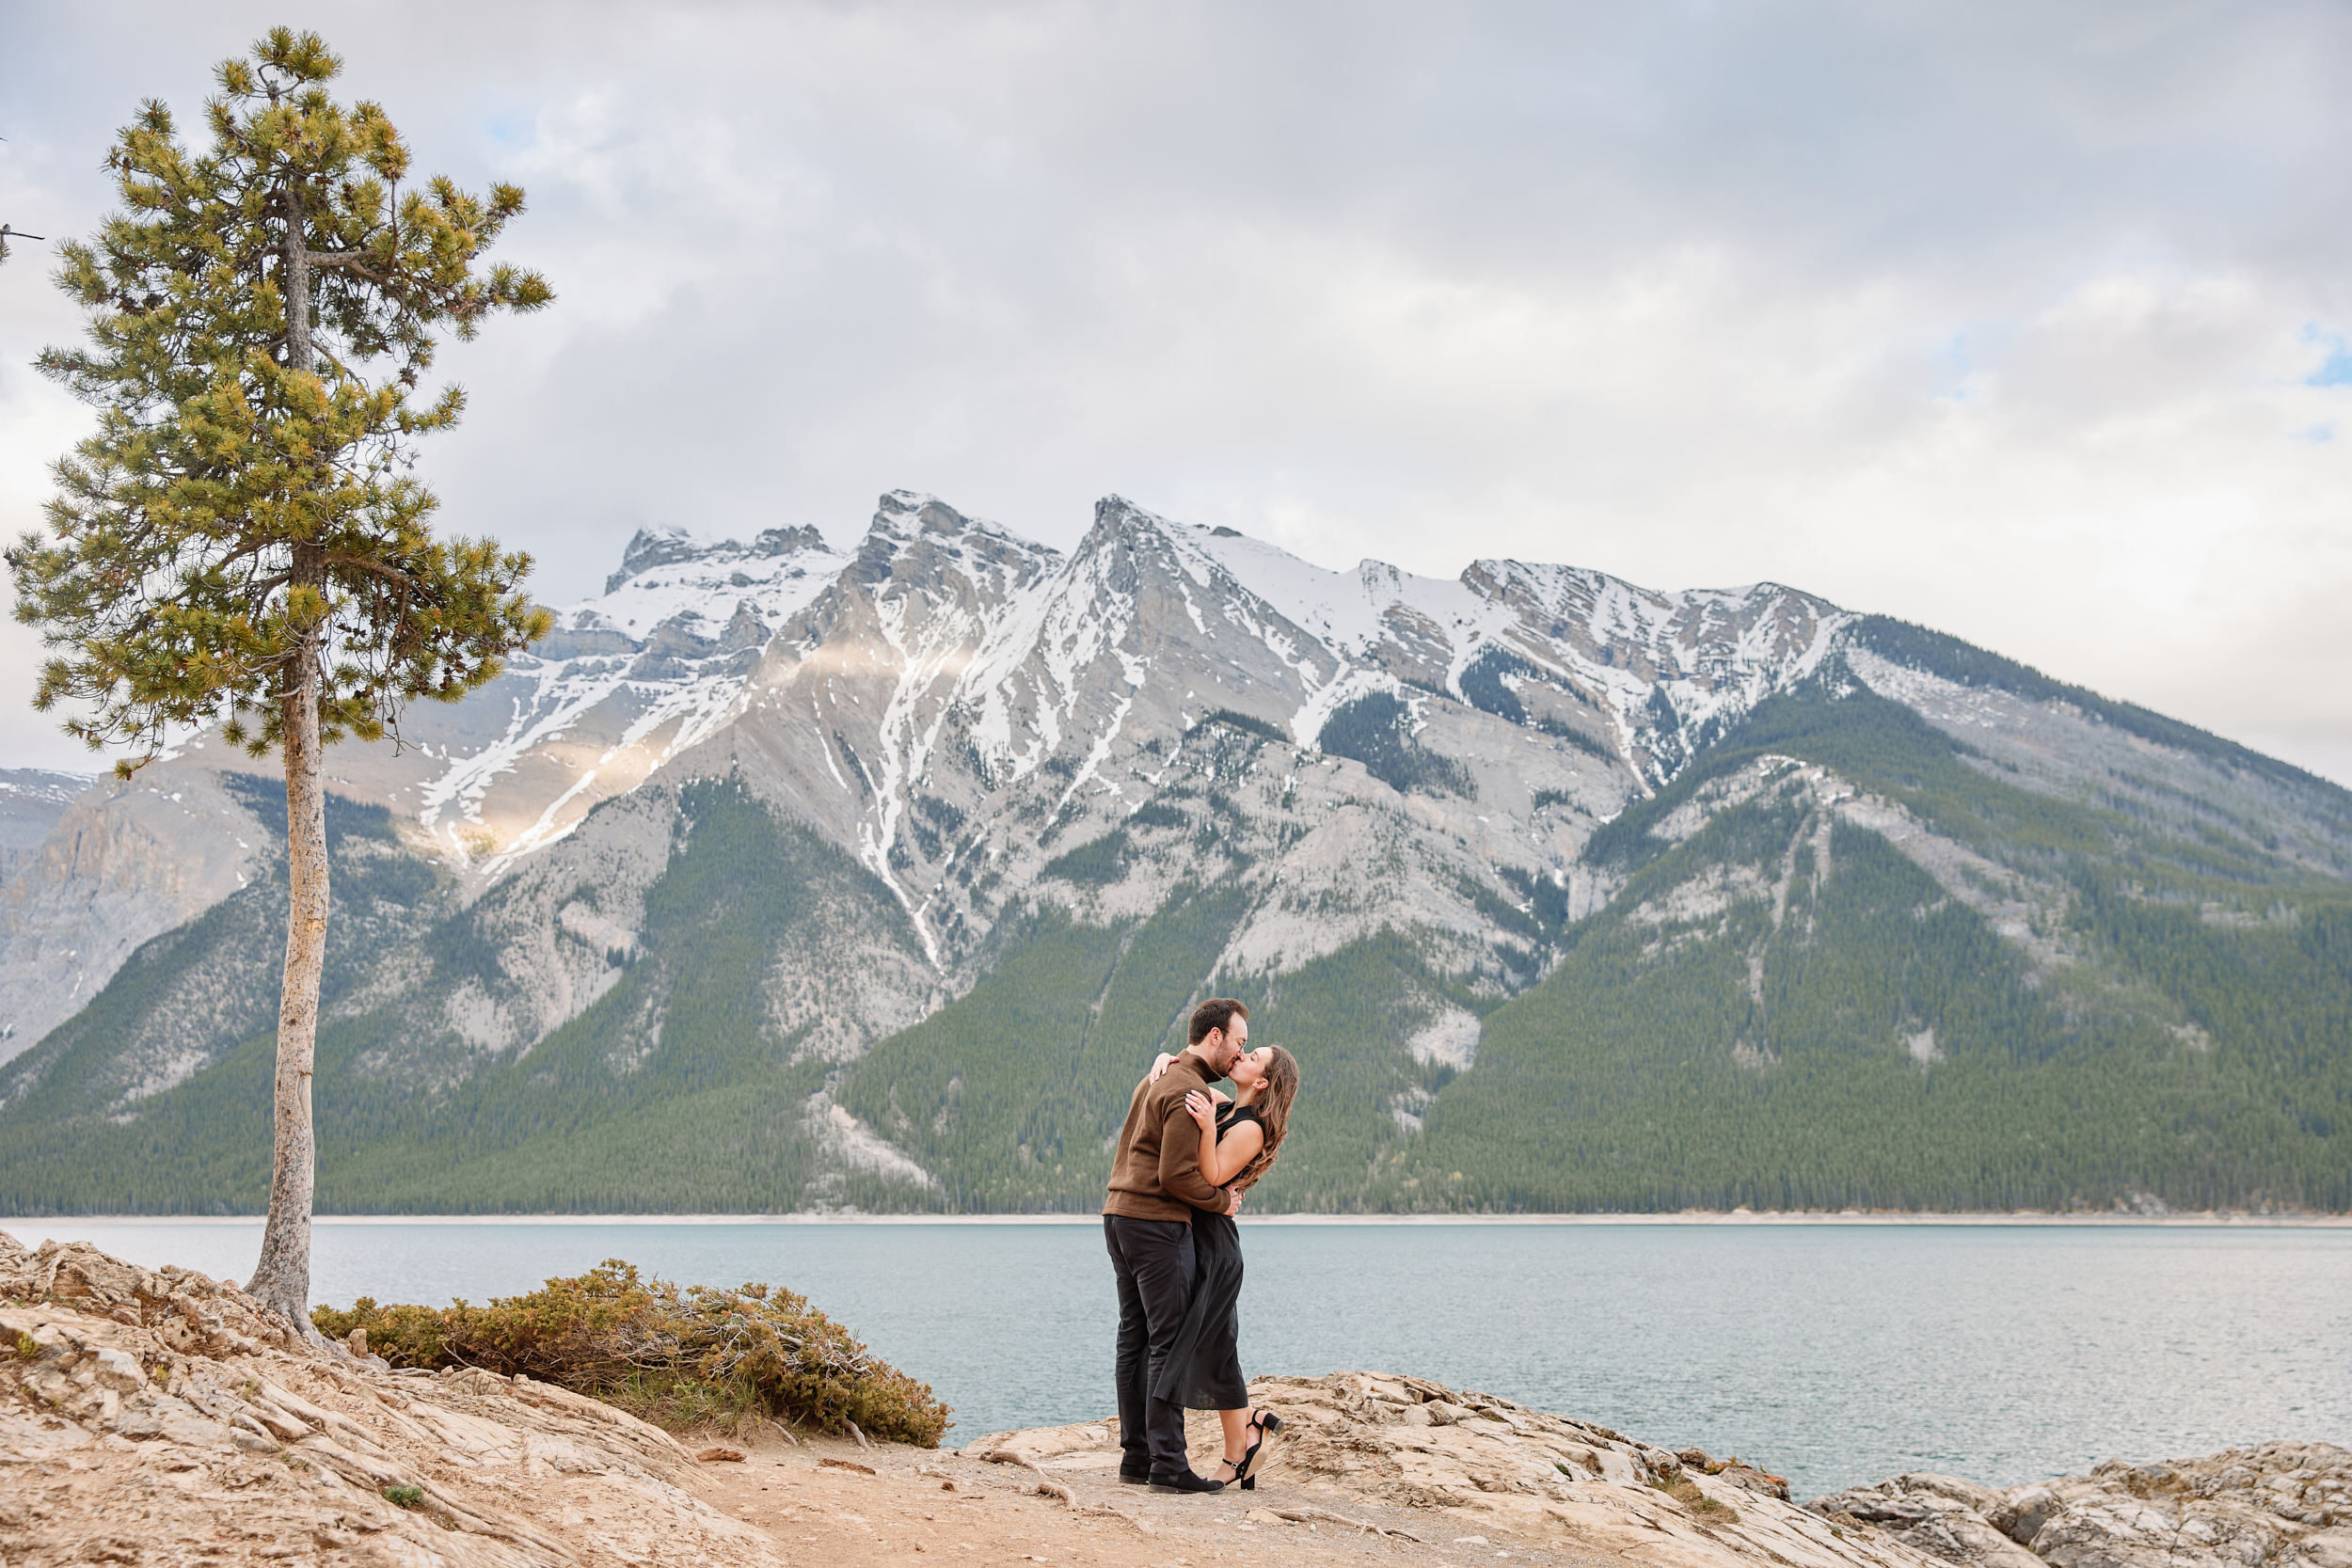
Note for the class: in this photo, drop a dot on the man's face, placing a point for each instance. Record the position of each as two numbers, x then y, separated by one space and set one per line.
1222 1048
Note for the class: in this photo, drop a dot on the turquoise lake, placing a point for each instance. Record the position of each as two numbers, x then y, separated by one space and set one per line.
1832 1354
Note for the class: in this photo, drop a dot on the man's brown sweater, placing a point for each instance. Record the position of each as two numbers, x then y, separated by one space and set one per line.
1156 1173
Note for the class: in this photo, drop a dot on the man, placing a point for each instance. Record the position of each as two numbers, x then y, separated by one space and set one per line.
1147 1224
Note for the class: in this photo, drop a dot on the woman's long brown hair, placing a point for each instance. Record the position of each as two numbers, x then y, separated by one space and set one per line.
1273 1106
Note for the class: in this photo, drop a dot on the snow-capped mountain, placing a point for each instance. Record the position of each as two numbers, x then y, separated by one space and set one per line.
948 666
837 823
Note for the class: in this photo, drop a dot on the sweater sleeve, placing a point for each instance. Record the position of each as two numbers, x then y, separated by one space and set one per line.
1180 1159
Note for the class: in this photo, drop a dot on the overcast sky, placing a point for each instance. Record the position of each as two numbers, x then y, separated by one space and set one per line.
2027 322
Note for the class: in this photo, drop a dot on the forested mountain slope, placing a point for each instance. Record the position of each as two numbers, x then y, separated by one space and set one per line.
784 877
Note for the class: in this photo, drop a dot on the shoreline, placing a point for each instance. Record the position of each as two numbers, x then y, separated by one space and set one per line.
2218 1220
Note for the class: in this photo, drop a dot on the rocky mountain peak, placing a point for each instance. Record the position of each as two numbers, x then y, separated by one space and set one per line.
915 538
1126 545
1116 510
670 577
673 545
650 548
809 795
907 515
787 541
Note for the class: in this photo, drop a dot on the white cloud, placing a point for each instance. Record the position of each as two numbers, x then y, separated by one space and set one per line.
2001 318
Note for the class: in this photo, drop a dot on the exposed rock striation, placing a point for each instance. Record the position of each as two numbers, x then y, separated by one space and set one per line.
164 1416
1461 1461
31 800
119 863
1462 1465
1225 769
2280 1503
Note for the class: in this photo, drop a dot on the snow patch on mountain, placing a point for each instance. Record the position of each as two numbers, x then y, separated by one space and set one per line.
628 681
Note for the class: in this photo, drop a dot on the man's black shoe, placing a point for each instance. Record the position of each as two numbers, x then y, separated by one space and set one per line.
1185 1482
1135 1477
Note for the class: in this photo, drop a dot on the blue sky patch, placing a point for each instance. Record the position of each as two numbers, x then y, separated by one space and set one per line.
1963 360
2336 369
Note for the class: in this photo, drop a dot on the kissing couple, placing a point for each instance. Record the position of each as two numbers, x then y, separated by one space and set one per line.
1186 1155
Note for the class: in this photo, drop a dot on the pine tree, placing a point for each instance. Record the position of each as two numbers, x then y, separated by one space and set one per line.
241 542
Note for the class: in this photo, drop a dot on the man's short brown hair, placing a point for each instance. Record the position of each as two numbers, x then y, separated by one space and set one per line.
1217 1012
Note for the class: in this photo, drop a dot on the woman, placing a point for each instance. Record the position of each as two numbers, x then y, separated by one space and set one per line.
1239 1138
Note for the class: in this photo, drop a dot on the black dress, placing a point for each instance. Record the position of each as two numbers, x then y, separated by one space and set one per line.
1203 1369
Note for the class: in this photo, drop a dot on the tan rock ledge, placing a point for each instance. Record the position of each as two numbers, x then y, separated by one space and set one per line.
163 1417
1400 1459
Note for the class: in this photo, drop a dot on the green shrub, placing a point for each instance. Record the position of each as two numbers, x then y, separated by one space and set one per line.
687 1358
1686 1493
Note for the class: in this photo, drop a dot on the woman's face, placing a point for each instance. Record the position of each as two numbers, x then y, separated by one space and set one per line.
1249 1067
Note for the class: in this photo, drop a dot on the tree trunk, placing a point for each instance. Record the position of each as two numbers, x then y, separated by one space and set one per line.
299 354
282 1277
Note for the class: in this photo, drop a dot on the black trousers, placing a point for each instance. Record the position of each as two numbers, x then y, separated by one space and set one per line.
1152 1262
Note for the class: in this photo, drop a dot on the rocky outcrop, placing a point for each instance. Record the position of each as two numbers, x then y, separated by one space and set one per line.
159 1415
163 1416
1377 1447
1415 1459
2281 1503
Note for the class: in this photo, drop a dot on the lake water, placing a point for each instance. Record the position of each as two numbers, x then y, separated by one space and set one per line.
1832 1354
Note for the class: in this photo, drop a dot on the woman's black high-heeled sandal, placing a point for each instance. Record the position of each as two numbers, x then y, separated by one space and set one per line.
1269 1427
